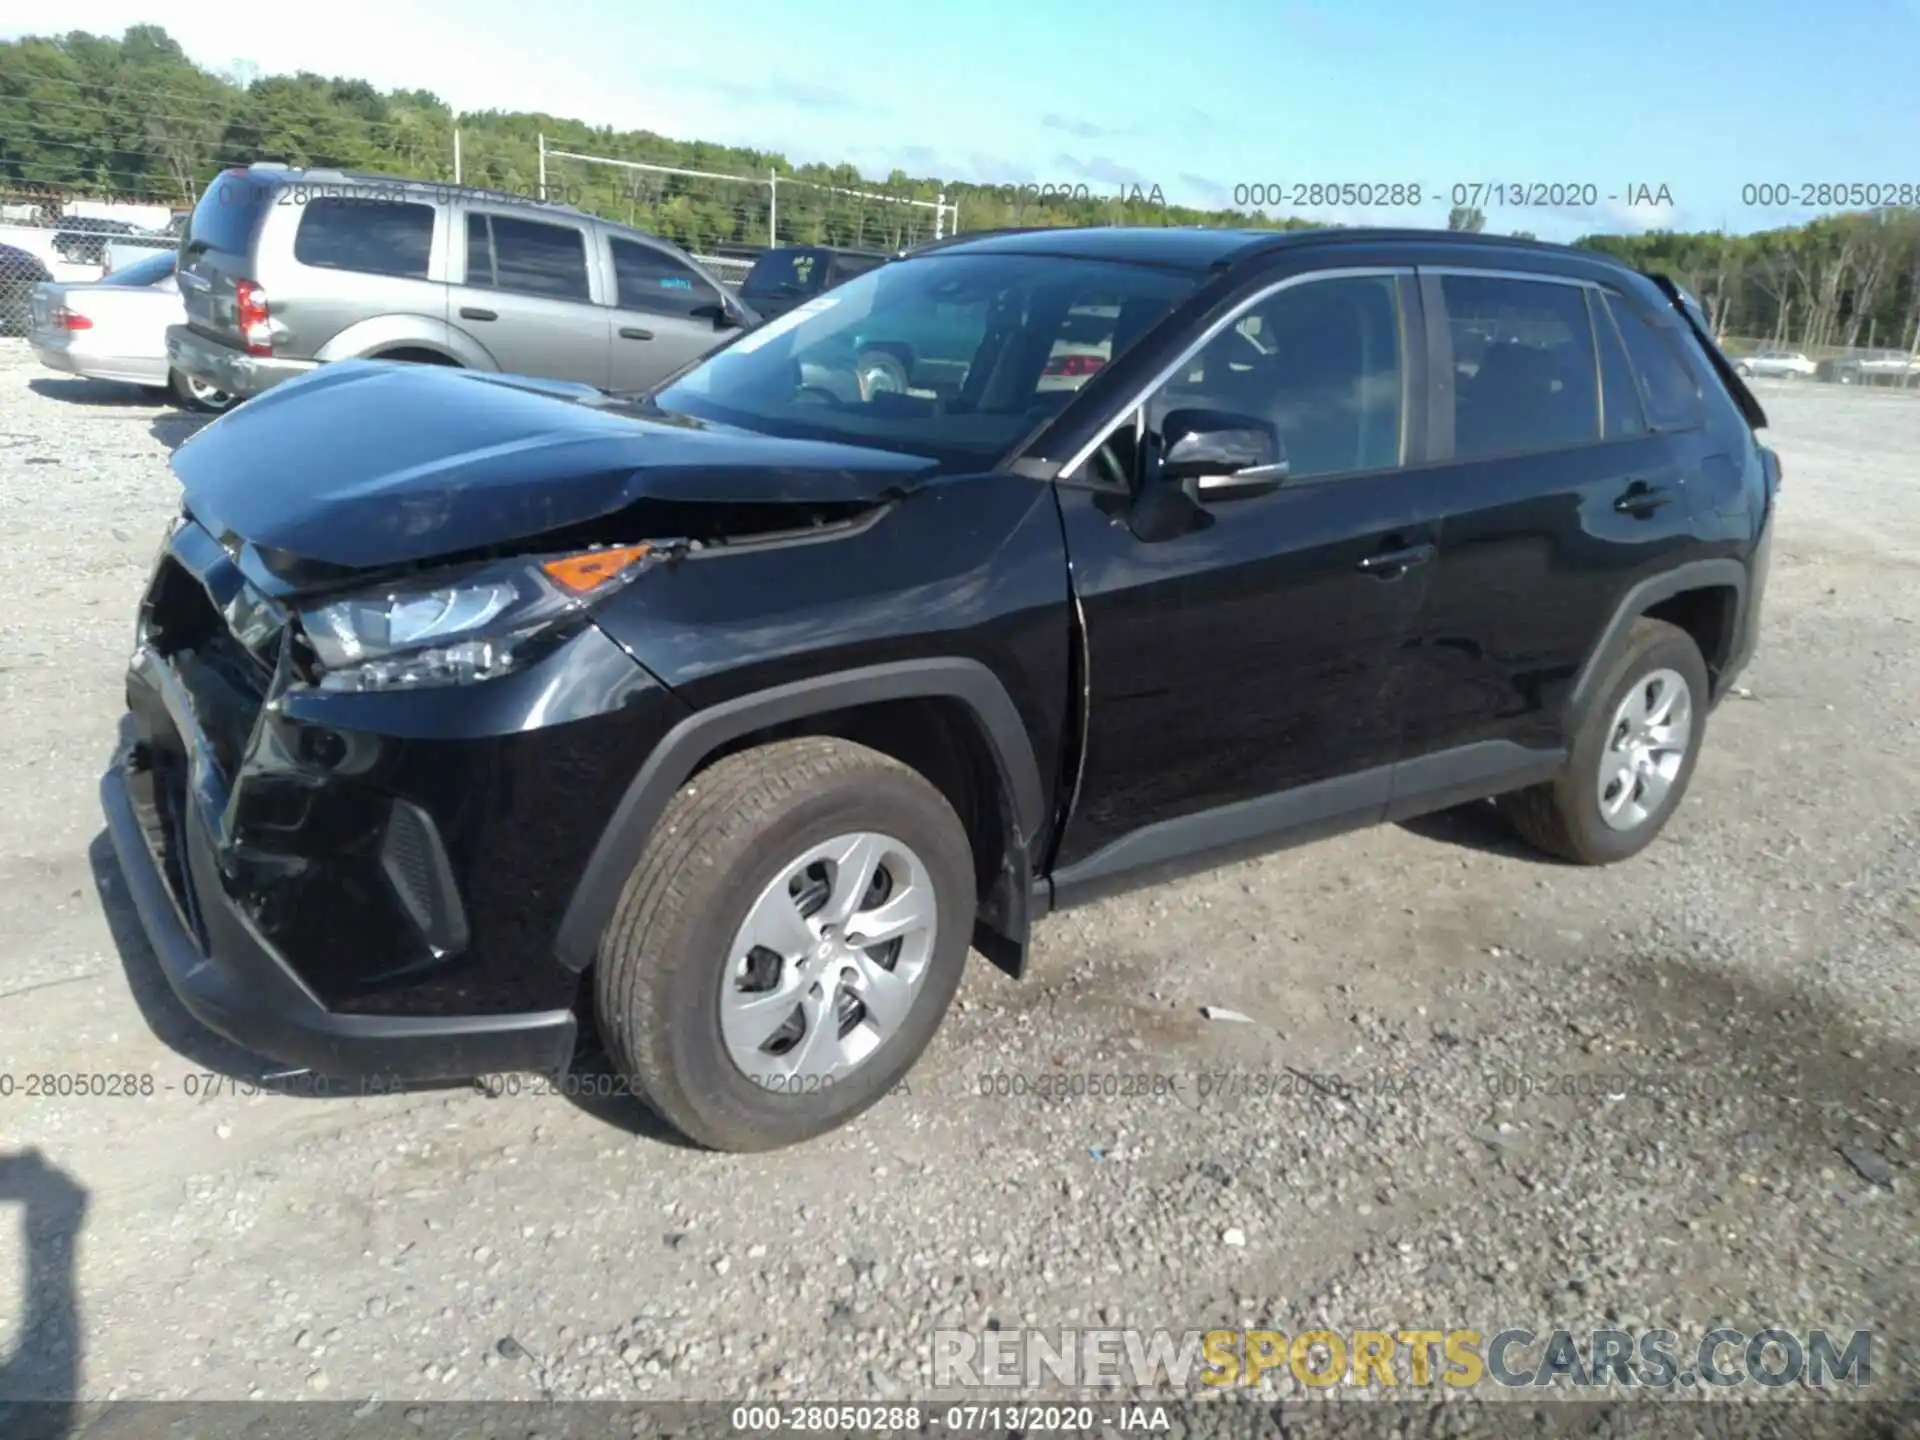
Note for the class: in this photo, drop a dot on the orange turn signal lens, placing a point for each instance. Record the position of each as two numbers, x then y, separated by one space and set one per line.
583 574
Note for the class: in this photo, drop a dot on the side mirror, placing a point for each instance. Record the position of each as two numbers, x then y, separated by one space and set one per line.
724 314
1214 455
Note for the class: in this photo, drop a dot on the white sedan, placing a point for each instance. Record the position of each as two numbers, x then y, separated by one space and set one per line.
115 328
1790 364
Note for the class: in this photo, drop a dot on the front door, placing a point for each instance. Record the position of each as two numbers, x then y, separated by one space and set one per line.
665 314
1239 673
527 296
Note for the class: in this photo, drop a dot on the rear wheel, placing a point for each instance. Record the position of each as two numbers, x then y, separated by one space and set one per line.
195 394
1632 757
787 944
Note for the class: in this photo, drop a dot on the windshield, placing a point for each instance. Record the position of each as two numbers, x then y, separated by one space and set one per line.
953 357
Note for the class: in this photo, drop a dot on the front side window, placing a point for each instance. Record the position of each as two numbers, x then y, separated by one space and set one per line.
528 256
655 282
955 357
374 237
1320 361
1524 376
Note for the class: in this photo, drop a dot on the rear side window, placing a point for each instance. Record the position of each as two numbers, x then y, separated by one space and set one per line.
1620 414
505 253
1524 367
789 272
654 281
229 210
1672 396
374 237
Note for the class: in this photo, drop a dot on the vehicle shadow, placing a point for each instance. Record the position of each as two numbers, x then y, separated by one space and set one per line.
170 425
1476 825
591 1083
74 390
38 1381
596 1088
173 428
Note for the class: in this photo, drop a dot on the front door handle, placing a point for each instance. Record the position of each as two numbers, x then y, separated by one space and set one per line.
473 312
1642 499
1392 564
634 332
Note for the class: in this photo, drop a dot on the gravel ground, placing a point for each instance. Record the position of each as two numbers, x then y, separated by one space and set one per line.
1759 967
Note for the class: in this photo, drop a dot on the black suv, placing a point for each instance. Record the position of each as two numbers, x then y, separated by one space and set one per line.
467 710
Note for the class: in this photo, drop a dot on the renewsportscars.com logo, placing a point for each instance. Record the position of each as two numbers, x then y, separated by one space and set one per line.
1511 1359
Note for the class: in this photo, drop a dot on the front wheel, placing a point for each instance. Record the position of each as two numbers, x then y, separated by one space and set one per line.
787 944
880 372
192 394
1632 757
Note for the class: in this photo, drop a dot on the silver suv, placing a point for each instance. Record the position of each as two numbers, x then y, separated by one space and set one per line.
283 270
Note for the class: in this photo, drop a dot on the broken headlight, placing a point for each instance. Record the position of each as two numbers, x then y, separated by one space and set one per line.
456 630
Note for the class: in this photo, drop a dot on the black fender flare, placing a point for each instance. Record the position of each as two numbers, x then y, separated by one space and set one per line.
1690 575
681 750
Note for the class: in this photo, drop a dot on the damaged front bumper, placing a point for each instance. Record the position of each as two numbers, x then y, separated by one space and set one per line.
365 886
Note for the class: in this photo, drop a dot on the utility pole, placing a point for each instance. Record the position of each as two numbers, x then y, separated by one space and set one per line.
456 154
543 166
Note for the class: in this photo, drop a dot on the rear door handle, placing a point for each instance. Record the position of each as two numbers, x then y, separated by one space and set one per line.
471 312
1640 498
634 332
1392 564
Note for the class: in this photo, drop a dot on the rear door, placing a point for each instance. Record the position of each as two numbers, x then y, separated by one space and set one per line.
1553 489
526 293
665 313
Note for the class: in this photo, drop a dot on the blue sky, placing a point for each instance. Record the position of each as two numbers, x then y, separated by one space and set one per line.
1195 97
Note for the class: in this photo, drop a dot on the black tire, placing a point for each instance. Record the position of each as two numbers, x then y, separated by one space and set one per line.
207 403
723 838
1562 816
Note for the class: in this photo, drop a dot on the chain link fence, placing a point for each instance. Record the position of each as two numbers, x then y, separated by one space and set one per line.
709 213
46 236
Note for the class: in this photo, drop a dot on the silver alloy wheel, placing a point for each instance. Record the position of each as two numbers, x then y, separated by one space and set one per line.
828 963
1646 746
206 394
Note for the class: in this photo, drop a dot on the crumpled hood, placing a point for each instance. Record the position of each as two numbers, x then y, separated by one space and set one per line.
365 464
